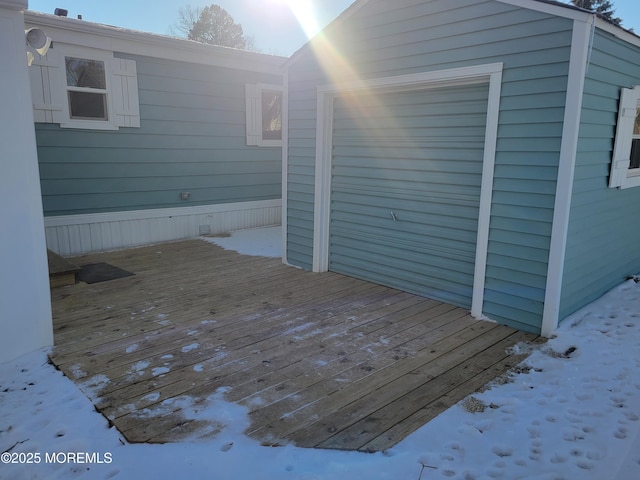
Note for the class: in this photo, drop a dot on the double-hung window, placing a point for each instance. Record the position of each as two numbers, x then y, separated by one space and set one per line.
86 89
625 167
264 115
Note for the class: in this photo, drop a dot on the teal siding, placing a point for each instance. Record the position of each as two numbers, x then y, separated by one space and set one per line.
604 234
419 155
306 75
410 36
192 139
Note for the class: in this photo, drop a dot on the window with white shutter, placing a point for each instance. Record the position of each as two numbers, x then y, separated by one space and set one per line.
264 115
84 88
625 165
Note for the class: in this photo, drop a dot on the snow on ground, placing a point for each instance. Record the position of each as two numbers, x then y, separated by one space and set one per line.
263 242
572 412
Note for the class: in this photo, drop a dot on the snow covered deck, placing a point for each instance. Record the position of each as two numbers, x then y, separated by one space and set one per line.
321 360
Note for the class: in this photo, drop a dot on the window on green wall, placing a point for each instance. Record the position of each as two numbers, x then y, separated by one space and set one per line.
625 165
264 115
86 88
271 115
635 143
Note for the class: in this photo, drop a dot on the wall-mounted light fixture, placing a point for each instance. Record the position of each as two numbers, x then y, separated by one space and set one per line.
37 40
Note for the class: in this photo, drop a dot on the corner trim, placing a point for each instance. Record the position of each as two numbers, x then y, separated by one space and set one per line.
580 50
285 167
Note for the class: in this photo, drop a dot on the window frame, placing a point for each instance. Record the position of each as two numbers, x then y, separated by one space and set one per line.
622 176
67 121
101 91
255 127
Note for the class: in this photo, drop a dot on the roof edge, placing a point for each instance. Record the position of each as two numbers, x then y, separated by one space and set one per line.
550 7
345 15
107 37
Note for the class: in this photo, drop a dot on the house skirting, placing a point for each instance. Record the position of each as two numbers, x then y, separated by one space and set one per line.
77 234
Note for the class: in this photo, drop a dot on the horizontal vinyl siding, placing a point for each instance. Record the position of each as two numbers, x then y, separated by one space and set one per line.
419 155
192 138
410 36
604 234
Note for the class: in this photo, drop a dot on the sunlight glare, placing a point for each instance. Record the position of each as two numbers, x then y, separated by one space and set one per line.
304 12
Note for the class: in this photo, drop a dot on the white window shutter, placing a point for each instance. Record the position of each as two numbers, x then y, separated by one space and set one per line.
624 135
47 92
254 120
124 93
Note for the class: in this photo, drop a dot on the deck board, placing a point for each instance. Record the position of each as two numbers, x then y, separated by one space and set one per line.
321 360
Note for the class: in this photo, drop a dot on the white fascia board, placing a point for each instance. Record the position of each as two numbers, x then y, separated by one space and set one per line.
104 37
580 49
567 11
618 32
575 13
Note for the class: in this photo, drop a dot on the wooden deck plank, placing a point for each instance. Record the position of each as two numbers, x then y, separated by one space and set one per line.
335 393
319 359
400 402
251 314
257 370
463 383
340 364
157 316
263 356
228 296
239 348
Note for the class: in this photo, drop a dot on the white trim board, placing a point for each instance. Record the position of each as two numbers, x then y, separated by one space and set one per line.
581 45
491 73
285 166
78 234
566 11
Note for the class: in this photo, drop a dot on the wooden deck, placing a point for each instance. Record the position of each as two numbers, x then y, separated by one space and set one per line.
321 360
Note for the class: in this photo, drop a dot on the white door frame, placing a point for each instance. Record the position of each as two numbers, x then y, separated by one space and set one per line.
491 73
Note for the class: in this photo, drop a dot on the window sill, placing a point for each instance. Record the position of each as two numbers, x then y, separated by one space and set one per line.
630 181
89 125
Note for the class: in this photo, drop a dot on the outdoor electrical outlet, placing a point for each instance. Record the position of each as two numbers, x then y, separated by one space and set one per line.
185 195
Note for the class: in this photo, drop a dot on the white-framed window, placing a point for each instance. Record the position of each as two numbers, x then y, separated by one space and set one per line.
264 115
85 88
625 165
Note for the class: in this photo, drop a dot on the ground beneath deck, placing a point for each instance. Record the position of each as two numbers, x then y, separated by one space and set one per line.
321 360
